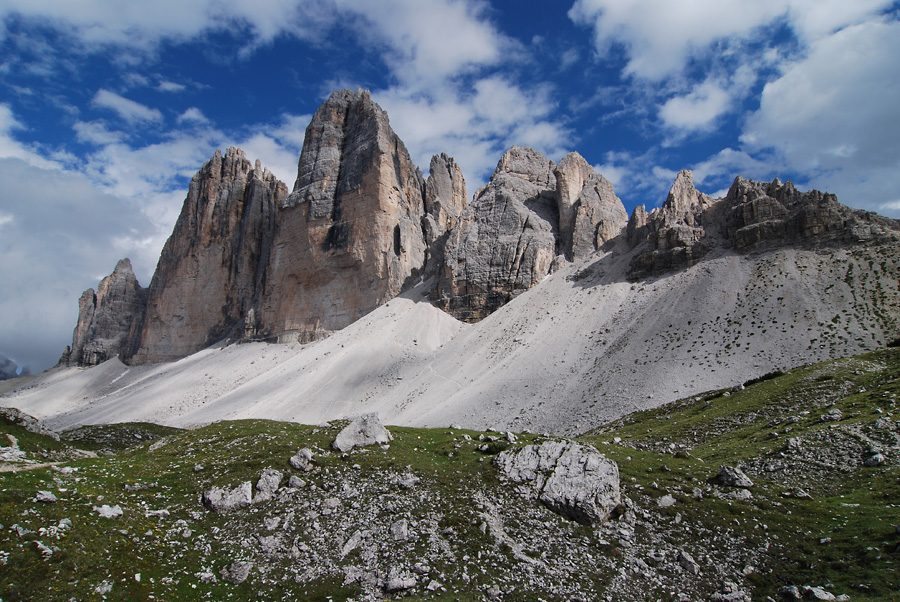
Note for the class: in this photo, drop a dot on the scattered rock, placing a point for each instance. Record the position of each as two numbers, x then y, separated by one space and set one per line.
666 501
398 581
832 415
236 572
688 563
400 530
46 497
363 431
875 460
817 593
267 485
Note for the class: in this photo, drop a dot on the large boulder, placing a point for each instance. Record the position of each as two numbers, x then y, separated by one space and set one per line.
362 431
570 478
222 500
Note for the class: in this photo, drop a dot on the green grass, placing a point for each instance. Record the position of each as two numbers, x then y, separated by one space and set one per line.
844 535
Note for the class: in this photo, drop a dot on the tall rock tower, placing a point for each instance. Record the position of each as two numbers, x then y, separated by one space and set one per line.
211 266
350 234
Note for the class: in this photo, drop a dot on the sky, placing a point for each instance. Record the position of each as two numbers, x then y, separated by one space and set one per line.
108 108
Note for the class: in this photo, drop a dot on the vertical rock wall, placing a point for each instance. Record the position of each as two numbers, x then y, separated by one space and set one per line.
350 234
209 270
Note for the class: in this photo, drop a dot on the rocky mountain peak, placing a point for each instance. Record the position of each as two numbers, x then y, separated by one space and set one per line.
106 318
590 213
526 163
222 237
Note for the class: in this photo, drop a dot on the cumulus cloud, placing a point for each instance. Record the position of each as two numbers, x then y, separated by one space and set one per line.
61 233
129 110
834 115
697 110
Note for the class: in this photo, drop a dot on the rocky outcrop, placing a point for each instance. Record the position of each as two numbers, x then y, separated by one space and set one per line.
674 234
571 479
349 236
590 213
766 214
445 201
211 267
107 318
753 216
505 241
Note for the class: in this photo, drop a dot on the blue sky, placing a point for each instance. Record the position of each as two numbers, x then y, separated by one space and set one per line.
108 107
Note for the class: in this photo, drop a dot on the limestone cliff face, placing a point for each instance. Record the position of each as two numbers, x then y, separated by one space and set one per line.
765 214
106 318
531 211
350 234
210 268
590 213
505 241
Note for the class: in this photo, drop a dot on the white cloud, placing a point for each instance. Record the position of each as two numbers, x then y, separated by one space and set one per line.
194 115
96 132
697 110
660 36
129 110
428 41
167 86
63 237
835 115
9 147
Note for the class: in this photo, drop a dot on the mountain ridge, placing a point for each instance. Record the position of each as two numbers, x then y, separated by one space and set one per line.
578 312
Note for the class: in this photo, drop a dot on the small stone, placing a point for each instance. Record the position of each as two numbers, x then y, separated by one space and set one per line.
400 530
302 460
875 460
228 500
107 511
832 415
296 482
730 476
267 485
46 497
666 501
237 572
817 593
688 563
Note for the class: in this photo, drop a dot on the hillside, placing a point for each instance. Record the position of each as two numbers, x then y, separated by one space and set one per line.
428 516
584 346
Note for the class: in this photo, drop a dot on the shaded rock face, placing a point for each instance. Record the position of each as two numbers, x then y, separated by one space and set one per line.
350 234
531 211
210 268
590 213
8 368
674 234
753 216
107 318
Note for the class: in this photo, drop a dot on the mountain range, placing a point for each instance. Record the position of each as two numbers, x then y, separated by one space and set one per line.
541 305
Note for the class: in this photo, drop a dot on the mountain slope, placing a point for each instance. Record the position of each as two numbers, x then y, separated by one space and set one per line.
582 347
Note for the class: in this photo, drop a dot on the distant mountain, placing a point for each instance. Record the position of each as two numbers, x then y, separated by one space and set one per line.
577 312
